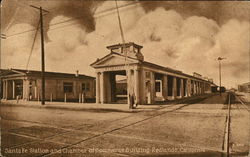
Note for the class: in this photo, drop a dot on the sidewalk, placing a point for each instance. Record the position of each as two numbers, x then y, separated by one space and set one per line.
80 106
93 107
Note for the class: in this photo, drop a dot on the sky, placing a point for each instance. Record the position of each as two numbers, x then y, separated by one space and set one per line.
188 36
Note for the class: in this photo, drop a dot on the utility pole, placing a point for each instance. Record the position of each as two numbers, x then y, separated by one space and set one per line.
3 36
42 53
219 59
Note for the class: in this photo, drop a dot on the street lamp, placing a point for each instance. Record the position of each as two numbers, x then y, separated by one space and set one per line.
219 59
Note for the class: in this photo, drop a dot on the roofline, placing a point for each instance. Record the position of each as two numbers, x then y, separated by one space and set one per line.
156 65
26 72
174 71
247 83
110 55
126 44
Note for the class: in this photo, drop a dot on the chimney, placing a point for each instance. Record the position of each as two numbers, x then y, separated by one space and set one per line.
77 73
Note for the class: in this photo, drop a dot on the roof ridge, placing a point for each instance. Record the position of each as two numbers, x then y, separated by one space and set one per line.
48 72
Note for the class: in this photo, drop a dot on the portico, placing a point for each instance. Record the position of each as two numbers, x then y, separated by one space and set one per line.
147 82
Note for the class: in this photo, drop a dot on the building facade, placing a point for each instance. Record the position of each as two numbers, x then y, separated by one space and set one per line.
26 85
245 87
146 81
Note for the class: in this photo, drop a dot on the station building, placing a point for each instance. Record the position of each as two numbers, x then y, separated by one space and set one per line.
26 85
245 87
147 82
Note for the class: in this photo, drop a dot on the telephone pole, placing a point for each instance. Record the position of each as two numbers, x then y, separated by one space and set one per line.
3 36
219 59
42 53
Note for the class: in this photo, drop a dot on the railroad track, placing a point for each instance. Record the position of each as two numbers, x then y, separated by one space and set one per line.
242 106
226 140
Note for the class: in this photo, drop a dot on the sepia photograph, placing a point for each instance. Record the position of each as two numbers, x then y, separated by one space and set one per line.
124 78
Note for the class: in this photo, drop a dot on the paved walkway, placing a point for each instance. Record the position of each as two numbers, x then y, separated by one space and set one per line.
80 106
96 107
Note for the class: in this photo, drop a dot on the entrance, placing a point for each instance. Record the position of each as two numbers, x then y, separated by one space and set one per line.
116 87
159 87
121 89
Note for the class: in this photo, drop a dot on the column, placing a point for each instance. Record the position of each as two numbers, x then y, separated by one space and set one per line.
191 87
143 87
137 87
174 88
165 87
6 86
4 89
24 89
35 91
202 87
102 88
188 88
97 87
152 79
195 88
13 89
181 88
199 87
28 90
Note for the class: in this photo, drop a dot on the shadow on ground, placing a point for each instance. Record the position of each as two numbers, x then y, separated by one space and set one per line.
198 154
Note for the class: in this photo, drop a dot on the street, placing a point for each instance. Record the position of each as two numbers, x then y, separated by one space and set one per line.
185 129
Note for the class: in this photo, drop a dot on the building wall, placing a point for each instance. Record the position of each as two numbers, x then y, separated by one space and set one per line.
244 88
54 88
181 85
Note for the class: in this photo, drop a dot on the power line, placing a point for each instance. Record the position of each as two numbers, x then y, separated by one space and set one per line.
12 20
73 23
72 19
23 4
33 44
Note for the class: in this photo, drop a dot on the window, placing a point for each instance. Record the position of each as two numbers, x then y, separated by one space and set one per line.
68 87
158 86
85 86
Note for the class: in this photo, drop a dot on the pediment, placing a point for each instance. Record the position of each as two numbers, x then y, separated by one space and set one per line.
113 60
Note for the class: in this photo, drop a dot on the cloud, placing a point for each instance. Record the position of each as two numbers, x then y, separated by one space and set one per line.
69 37
220 11
187 43
15 50
232 42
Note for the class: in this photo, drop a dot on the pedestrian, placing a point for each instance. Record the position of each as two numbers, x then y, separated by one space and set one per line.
131 101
